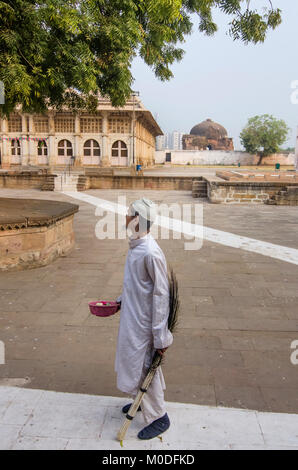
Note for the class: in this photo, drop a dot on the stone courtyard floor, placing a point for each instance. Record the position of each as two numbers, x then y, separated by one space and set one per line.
46 420
239 310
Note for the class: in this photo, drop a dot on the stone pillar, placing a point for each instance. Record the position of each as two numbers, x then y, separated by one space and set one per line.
24 141
5 153
51 141
134 154
32 145
106 158
130 149
77 141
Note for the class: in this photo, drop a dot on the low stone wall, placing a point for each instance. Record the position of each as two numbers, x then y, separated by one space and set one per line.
34 232
23 180
140 182
237 192
220 157
286 197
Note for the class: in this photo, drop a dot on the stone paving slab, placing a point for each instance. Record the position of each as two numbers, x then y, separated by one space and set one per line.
239 312
39 419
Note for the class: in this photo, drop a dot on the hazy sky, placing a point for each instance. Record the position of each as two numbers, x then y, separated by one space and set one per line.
226 81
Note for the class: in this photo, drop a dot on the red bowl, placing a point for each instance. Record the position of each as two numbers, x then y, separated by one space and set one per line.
103 310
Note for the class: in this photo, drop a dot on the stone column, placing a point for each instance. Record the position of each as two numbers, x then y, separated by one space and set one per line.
24 141
131 143
134 154
77 141
32 145
51 141
5 154
106 158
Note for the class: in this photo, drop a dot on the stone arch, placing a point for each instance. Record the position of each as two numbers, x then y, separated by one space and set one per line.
42 152
91 152
65 151
119 155
15 151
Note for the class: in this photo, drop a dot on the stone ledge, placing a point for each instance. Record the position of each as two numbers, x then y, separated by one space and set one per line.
240 192
18 213
141 182
34 232
247 184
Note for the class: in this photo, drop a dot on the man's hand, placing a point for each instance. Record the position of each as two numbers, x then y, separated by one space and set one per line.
161 351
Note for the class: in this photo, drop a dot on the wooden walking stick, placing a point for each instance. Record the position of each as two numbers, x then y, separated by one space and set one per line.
157 358
137 401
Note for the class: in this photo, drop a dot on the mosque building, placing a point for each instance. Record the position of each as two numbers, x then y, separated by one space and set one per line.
207 135
111 136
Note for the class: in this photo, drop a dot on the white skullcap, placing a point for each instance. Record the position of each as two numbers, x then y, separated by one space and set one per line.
145 208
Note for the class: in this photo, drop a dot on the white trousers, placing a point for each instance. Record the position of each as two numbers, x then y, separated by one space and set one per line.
153 404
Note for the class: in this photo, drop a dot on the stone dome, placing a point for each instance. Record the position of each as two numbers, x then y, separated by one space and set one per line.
209 130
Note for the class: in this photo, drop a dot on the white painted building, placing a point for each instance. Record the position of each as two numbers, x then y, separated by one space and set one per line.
109 137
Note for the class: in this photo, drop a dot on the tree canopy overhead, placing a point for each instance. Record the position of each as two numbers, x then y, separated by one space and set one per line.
50 46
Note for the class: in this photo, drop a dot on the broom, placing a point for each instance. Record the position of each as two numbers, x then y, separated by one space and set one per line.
157 358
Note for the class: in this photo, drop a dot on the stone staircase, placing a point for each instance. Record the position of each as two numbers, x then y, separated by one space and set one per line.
68 180
49 185
284 197
199 188
82 183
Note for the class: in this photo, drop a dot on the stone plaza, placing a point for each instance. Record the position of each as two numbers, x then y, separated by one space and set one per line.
239 309
232 364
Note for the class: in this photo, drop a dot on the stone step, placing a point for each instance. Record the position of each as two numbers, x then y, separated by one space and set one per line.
66 182
270 202
200 194
49 185
67 188
199 189
81 185
283 197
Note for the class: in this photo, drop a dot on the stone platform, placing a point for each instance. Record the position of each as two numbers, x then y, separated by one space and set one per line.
249 186
258 175
26 178
33 232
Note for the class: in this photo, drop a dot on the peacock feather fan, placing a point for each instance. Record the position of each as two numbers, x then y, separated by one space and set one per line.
174 301
174 306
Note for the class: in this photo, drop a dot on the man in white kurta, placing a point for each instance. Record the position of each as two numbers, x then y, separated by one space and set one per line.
144 317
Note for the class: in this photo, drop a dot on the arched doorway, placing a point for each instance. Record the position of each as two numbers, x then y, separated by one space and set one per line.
119 153
91 152
65 151
16 151
42 152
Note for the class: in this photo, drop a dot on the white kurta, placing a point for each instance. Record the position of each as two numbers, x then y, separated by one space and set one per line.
144 312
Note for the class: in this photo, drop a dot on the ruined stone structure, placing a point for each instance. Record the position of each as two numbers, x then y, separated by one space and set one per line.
34 232
109 137
207 135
